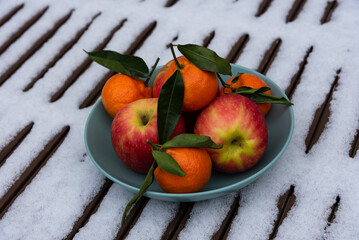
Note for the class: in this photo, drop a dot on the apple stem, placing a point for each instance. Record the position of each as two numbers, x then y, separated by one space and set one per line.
153 69
178 65
153 145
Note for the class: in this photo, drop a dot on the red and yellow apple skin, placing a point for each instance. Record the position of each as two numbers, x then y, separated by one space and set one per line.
236 122
158 80
132 126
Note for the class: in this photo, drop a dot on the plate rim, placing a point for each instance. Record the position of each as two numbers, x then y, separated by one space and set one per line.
208 193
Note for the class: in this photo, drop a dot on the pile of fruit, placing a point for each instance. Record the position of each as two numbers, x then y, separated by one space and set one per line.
182 126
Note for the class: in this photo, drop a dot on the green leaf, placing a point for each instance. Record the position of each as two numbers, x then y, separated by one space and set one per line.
129 65
205 59
235 79
264 98
145 185
167 163
249 90
169 106
191 140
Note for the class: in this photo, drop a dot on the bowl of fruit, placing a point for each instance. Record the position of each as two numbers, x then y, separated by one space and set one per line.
194 129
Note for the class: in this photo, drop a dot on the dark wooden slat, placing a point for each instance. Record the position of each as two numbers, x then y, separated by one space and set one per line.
90 209
237 49
179 221
37 45
295 10
321 117
208 39
285 204
35 166
141 38
84 65
10 14
60 54
328 12
297 76
269 56
96 92
23 29
14 143
170 3
224 229
334 209
263 7
355 145
132 218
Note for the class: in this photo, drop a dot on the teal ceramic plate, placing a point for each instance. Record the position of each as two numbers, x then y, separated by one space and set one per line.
280 123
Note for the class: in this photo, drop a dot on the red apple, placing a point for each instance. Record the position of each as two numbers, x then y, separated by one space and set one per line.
158 80
132 126
236 122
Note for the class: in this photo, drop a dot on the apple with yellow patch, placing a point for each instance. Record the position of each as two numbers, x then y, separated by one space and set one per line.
237 123
132 126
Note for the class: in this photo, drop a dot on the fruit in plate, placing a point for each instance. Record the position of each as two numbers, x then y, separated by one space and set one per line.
197 165
249 80
120 90
236 122
132 126
200 87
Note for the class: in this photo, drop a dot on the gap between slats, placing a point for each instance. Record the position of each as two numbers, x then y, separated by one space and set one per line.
37 45
35 166
14 143
328 12
60 54
178 222
293 13
285 204
269 56
23 29
170 3
321 117
263 7
334 208
90 209
297 76
10 14
96 92
224 229
237 48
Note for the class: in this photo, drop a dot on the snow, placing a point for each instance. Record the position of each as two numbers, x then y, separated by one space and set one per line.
57 196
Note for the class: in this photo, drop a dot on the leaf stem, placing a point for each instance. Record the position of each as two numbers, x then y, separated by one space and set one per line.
178 65
153 69
222 81
154 145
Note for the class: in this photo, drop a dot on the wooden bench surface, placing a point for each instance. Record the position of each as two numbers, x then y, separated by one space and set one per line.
49 188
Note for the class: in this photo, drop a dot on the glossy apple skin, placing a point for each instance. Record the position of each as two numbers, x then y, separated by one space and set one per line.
158 80
129 135
236 122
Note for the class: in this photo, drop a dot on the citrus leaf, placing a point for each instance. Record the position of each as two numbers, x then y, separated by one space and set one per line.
236 78
264 98
169 106
191 140
249 90
129 65
205 59
167 163
145 185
